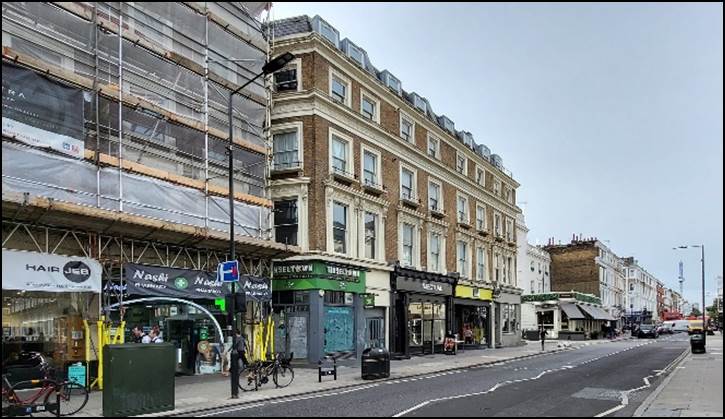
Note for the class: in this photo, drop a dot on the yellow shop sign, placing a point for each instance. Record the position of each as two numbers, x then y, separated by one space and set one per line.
474 293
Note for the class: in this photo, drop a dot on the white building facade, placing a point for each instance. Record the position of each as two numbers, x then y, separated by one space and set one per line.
641 288
611 281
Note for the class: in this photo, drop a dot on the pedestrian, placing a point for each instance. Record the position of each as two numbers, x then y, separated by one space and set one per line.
542 335
155 335
137 334
242 349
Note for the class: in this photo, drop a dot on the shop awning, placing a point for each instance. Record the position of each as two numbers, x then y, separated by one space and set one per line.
595 312
572 312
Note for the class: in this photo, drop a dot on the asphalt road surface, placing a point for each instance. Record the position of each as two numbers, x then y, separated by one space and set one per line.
585 382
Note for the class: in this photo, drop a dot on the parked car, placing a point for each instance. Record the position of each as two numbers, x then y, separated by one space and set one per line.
26 366
647 331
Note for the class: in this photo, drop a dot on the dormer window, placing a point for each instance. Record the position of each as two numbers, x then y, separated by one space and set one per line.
420 103
356 54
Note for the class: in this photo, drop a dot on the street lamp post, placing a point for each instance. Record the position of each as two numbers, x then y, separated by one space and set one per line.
702 260
268 68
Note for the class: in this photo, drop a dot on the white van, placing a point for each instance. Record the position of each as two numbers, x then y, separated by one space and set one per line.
679 325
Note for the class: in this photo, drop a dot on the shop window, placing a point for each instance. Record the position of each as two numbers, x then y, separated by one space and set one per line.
286 222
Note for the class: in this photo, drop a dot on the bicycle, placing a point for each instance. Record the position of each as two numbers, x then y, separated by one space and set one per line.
63 398
257 373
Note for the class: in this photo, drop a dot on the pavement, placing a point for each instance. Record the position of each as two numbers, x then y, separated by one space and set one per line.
694 389
198 393
610 378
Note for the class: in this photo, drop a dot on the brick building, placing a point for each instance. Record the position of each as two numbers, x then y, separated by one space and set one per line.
589 266
366 176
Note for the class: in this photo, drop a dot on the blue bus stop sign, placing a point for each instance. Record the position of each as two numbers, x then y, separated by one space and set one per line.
228 271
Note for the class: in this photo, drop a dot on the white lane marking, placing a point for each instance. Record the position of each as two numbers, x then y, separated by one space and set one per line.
480 393
625 394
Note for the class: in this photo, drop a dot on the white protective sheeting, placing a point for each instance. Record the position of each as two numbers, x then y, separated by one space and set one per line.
39 173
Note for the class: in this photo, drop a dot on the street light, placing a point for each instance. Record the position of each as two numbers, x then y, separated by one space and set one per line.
270 67
702 260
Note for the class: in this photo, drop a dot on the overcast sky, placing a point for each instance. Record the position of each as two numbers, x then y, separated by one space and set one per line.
609 115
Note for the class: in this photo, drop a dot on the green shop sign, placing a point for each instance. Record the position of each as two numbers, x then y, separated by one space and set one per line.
586 298
317 275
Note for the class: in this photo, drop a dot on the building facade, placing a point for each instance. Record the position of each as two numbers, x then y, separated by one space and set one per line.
590 267
365 174
115 134
533 276
642 294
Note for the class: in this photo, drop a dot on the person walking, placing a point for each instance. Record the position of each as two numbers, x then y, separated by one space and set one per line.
542 335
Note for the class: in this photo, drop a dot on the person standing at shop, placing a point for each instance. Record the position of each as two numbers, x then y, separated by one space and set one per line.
542 335
138 334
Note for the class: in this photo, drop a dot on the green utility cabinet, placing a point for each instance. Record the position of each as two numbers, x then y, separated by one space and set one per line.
138 379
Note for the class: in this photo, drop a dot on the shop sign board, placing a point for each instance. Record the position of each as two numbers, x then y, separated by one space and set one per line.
423 286
474 293
77 373
299 276
31 271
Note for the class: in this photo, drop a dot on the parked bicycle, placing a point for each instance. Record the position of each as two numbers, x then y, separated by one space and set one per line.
63 398
257 373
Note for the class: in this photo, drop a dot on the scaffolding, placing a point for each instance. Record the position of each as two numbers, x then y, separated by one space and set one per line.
143 88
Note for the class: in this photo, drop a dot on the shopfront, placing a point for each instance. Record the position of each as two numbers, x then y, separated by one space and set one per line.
566 316
507 317
421 303
46 299
472 306
190 309
319 309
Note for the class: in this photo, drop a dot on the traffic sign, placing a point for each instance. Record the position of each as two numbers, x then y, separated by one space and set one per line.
228 271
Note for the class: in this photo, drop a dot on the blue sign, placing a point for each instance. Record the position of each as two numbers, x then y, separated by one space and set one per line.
77 374
228 271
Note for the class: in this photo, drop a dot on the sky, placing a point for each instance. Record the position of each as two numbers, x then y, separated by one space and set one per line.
610 116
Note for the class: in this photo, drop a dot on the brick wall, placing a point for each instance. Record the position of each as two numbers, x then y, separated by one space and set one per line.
574 268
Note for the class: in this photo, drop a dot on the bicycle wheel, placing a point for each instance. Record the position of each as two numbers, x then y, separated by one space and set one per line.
248 378
73 398
283 375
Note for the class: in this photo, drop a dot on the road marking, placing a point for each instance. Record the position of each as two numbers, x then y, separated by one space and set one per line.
480 393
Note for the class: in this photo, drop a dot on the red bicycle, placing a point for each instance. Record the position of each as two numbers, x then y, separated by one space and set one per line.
64 398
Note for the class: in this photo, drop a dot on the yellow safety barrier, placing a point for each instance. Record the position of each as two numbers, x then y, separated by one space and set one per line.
263 340
105 337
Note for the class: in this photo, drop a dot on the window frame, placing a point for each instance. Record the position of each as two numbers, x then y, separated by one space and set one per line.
295 64
510 233
376 103
297 217
432 138
334 74
441 205
481 182
283 129
465 260
481 262
496 186
346 242
413 246
378 166
349 160
466 207
462 156
404 116
441 248
485 220
414 186
498 227
376 243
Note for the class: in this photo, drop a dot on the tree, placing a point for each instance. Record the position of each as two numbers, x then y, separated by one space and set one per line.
713 313
695 312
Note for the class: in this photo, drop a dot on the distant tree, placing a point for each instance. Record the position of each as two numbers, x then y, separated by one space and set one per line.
695 312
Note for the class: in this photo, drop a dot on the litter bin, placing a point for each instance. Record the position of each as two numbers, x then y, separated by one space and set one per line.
697 343
375 363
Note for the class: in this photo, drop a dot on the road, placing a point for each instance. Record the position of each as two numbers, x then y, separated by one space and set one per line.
585 382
